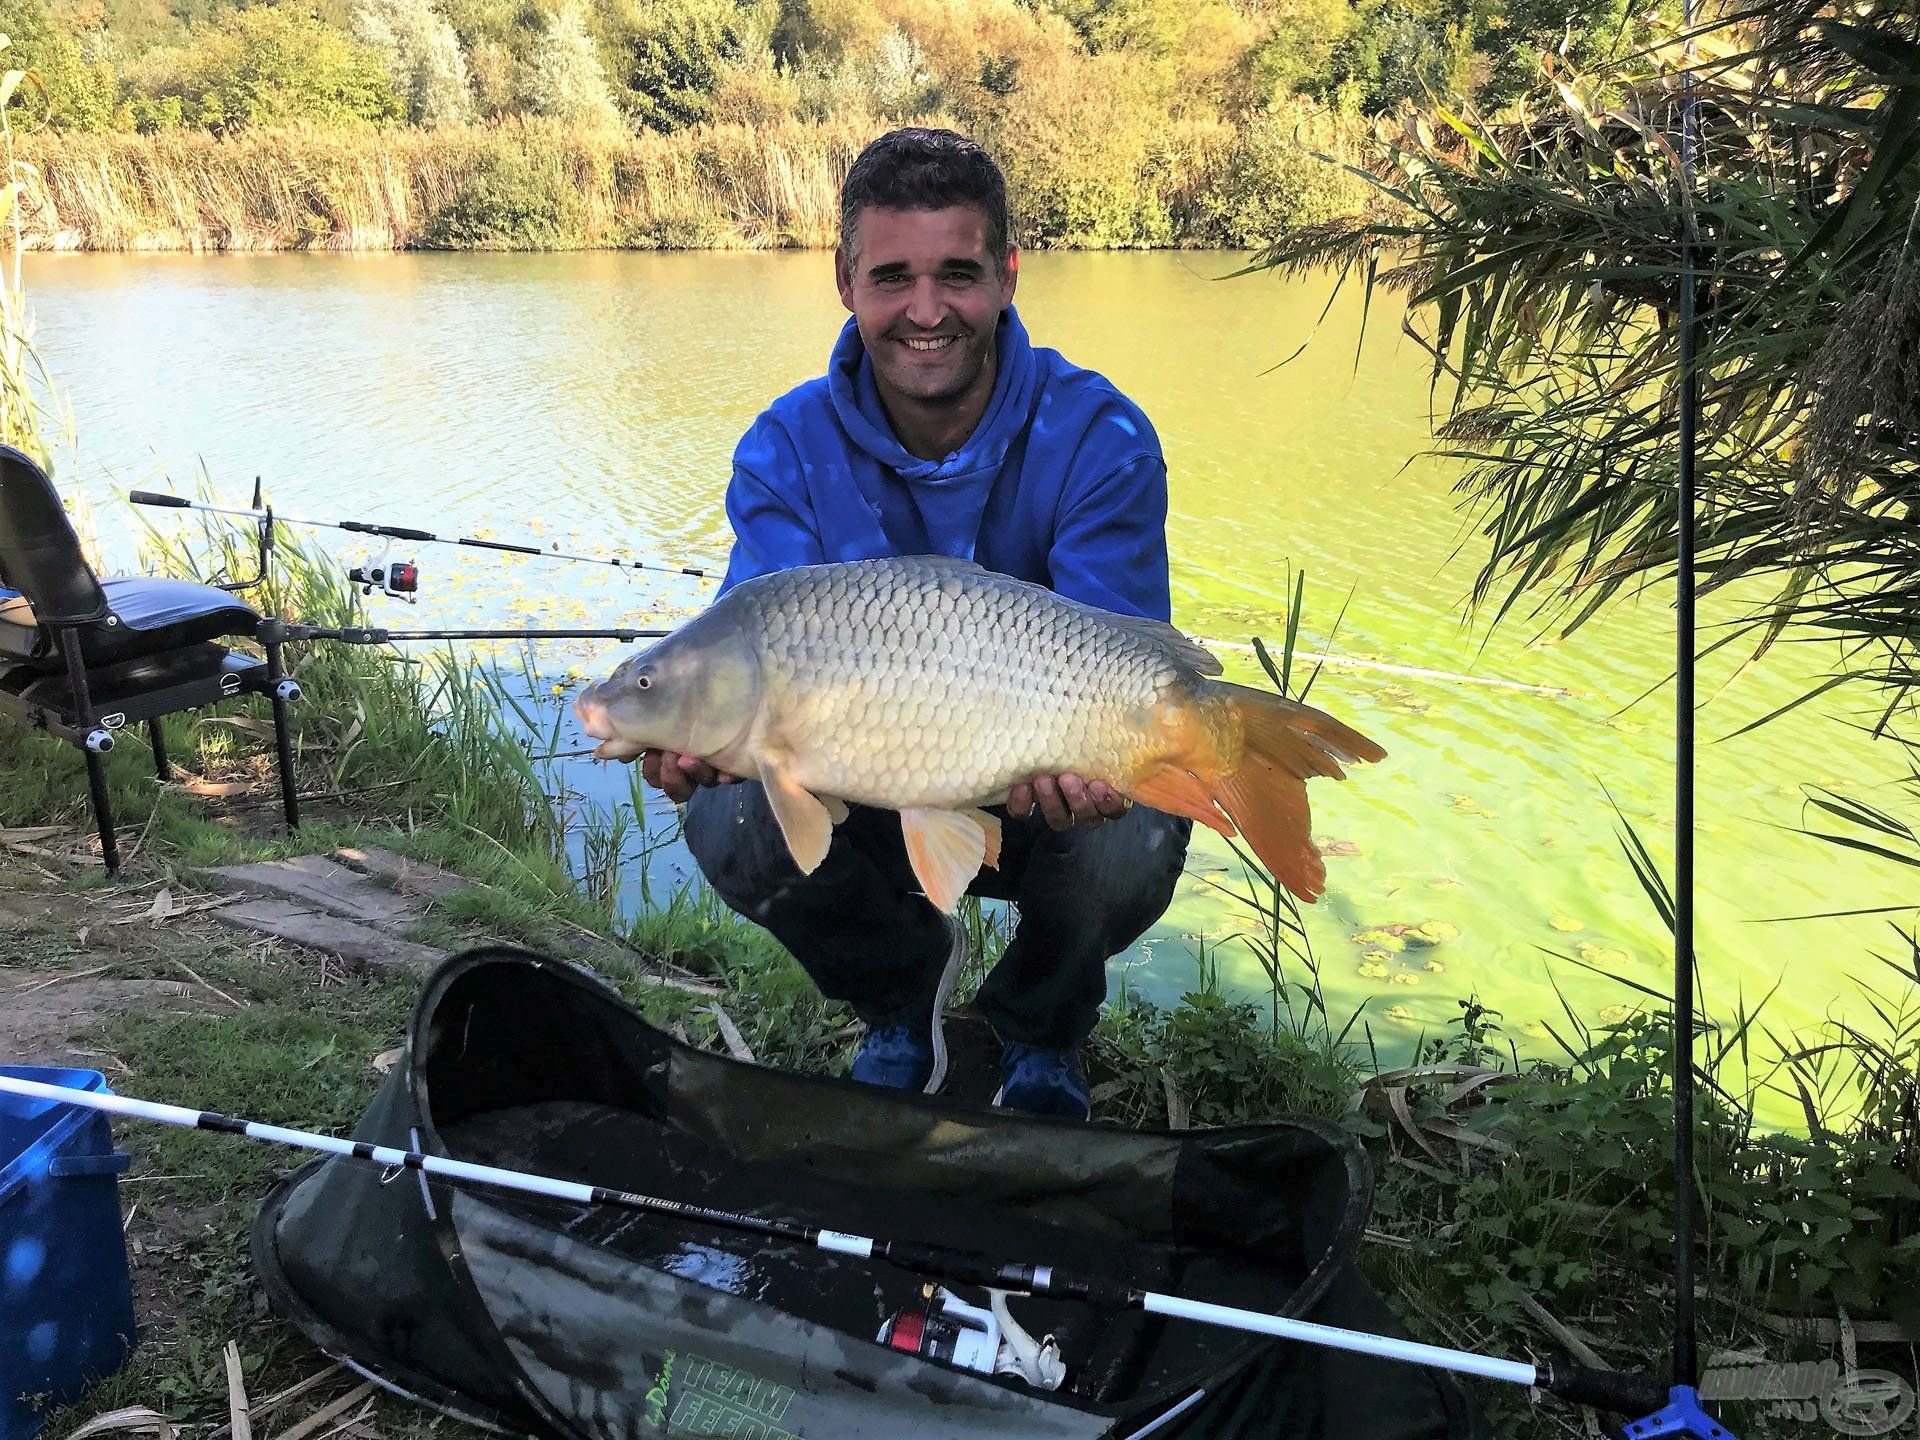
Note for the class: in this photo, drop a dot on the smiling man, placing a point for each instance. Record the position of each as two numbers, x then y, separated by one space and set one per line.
940 429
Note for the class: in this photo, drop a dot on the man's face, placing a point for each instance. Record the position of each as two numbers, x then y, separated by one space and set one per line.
927 295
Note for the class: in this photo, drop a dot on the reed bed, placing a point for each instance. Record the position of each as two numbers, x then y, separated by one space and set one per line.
528 184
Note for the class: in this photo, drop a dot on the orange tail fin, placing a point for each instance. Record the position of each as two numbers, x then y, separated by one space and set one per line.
1264 793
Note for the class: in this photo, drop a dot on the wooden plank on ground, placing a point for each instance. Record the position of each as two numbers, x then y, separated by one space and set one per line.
317 883
402 872
360 946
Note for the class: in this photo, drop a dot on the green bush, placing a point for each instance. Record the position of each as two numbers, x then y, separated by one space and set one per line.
1268 180
66 88
269 64
510 200
670 57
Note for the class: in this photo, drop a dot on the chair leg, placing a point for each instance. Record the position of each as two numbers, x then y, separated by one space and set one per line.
161 767
102 811
282 737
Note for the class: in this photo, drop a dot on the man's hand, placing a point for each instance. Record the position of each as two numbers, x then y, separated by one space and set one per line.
1066 801
679 775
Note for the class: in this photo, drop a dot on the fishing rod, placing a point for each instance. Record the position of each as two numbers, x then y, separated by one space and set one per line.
283 632
1618 1391
400 579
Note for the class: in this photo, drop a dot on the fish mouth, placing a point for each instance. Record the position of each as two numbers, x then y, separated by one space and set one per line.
597 724
592 715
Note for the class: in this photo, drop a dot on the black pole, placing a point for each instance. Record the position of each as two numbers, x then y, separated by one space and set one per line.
1685 1352
277 695
94 742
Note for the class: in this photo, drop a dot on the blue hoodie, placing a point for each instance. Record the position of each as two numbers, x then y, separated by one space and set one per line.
1061 483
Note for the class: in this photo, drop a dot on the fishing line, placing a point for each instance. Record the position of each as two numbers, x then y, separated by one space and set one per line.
1608 1389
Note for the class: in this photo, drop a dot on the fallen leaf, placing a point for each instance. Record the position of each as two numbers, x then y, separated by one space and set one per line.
135 1419
730 1033
214 789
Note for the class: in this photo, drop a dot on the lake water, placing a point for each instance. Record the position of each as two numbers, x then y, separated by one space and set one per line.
594 400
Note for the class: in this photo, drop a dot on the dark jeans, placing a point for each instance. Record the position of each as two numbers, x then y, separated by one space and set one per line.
862 930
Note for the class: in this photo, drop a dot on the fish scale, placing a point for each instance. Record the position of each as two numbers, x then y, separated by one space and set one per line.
903 647
932 686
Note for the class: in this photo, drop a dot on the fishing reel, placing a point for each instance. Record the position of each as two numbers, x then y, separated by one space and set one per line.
987 1339
396 579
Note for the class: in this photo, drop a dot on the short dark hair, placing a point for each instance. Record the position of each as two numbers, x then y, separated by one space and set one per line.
916 168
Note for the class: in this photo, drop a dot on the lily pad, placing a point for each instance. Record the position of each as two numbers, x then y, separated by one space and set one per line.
1435 966
1400 1013
1406 978
1384 938
1374 969
1432 932
1327 845
1614 1014
1568 924
1602 955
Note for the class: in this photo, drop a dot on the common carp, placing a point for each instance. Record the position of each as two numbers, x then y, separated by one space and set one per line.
932 686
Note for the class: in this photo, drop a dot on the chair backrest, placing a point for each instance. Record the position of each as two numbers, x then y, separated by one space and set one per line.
39 553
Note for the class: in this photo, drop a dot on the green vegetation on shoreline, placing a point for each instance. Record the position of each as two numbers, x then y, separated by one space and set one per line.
556 124
544 185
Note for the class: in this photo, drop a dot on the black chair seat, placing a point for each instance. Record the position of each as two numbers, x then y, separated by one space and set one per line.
81 657
145 616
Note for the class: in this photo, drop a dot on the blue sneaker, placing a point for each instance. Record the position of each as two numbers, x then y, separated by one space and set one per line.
914 1057
899 1057
1042 1082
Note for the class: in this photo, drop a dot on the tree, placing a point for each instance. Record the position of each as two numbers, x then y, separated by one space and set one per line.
271 64
424 63
672 56
66 88
563 77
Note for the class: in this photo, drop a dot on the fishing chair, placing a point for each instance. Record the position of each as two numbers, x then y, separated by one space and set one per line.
81 657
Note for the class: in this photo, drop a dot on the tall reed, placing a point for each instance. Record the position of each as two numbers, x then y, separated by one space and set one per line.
537 184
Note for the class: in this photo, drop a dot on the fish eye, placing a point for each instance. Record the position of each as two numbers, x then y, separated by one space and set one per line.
643 681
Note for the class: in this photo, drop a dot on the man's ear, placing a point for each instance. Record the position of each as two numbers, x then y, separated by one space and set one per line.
1011 277
843 276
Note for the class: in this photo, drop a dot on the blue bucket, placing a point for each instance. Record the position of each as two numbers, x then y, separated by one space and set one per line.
66 1306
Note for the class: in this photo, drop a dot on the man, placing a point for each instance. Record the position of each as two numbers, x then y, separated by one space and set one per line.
939 429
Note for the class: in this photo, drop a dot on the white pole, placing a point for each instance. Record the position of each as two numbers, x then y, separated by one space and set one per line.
1413 1352
1252 1321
